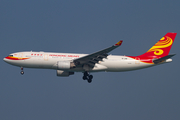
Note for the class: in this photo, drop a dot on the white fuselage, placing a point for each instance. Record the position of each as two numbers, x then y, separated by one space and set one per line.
47 60
67 64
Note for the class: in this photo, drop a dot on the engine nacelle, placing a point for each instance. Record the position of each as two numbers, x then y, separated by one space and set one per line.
64 73
64 65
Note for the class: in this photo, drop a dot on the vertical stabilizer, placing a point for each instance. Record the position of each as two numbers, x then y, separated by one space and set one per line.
162 47
159 50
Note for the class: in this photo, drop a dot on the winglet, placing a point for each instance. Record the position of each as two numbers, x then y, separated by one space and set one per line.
118 43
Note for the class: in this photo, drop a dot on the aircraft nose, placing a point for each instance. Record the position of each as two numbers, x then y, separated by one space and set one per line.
5 59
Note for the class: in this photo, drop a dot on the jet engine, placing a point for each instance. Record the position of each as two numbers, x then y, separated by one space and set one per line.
64 73
64 65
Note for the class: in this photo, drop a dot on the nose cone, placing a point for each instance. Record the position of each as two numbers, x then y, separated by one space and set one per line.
5 60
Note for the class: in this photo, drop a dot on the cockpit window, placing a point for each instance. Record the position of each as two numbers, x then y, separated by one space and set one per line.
10 56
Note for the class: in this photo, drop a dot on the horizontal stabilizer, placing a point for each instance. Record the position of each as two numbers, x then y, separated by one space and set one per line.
162 59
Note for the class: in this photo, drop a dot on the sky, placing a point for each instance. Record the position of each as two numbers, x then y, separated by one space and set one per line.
86 27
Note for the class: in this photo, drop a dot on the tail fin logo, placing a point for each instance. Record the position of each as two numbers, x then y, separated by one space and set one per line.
159 50
163 43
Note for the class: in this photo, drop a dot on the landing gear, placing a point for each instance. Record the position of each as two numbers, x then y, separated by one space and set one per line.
22 72
87 77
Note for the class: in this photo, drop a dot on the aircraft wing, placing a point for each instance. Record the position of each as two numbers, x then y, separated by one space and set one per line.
94 58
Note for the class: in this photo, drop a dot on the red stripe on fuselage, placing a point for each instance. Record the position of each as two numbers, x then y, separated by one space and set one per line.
144 60
15 58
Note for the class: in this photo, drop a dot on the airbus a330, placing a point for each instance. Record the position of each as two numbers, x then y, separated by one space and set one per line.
67 64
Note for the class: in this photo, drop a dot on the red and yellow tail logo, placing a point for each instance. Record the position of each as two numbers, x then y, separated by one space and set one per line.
163 46
160 49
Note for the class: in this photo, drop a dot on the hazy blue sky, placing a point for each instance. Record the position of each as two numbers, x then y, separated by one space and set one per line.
85 27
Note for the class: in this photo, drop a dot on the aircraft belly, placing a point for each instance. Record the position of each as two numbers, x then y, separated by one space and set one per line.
119 66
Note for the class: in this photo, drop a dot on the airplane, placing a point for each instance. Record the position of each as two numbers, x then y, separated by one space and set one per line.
67 64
